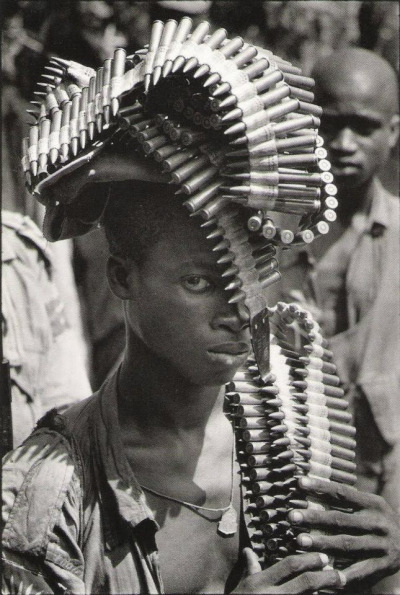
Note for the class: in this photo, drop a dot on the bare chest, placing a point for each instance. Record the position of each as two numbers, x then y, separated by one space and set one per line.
194 556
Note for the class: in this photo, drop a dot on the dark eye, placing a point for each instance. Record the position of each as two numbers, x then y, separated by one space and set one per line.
364 129
197 283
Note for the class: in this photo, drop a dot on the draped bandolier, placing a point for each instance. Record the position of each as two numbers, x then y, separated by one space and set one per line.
235 128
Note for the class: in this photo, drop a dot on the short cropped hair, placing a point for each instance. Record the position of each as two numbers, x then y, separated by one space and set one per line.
136 215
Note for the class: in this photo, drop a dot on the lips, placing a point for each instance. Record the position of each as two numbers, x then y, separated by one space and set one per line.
337 162
230 348
342 168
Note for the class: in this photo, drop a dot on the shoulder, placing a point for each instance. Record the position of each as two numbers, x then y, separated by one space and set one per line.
81 419
38 478
393 201
390 203
43 515
22 233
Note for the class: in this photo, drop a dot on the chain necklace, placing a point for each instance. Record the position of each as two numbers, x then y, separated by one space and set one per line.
228 523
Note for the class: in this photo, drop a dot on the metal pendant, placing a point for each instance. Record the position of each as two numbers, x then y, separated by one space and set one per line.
229 523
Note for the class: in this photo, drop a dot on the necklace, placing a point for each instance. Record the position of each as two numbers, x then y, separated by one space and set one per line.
228 523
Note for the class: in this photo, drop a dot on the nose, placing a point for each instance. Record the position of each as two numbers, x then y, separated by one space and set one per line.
234 318
344 141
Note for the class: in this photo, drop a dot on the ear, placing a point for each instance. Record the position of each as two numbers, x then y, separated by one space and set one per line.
122 276
394 131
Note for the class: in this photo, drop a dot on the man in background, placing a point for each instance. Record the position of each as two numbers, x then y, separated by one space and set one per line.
47 368
352 275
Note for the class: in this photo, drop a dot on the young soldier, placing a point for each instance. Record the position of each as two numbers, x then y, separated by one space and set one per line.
135 490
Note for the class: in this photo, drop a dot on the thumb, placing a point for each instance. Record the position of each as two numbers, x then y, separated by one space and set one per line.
252 563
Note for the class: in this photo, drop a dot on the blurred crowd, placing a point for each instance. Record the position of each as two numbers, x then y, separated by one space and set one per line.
88 32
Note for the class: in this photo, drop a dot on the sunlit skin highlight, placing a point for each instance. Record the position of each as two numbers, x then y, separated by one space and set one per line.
180 327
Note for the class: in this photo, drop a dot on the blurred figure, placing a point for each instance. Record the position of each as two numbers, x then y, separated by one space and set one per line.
24 24
13 113
46 364
12 34
246 19
353 273
84 31
197 10
379 29
23 59
303 30
98 28
133 20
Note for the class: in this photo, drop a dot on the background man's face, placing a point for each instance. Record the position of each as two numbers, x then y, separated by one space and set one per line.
356 129
182 310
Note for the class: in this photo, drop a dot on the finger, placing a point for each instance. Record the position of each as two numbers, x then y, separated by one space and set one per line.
313 581
340 493
365 569
343 544
258 582
252 564
243 312
293 565
365 521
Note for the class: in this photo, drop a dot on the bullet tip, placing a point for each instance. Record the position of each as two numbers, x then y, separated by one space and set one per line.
190 64
179 62
115 105
219 91
167 68
74 146
53 156
156 75
147 80
202 71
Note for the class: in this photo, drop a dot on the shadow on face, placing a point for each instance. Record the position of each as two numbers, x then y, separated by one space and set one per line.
175 300
358 92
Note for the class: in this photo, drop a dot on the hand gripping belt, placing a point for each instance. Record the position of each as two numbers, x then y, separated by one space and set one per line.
235 128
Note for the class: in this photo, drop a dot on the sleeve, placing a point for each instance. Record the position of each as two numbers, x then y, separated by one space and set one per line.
66 376
42 512
66 379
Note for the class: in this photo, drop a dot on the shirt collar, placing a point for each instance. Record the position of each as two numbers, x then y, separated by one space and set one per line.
378 218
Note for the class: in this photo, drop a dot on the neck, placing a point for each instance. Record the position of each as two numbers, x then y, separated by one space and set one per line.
152 395
354 200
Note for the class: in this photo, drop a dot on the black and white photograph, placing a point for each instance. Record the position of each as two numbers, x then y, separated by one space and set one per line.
200 297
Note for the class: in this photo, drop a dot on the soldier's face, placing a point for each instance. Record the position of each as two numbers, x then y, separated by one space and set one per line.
357 143
180 309
357 128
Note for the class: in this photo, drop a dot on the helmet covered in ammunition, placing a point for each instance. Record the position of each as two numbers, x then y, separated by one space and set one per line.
231 124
